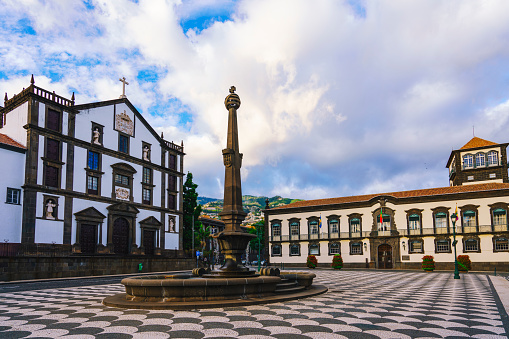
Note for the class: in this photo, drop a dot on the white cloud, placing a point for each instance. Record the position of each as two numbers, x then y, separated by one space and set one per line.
326 94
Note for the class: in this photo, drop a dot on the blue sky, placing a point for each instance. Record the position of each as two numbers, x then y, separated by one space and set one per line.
338 97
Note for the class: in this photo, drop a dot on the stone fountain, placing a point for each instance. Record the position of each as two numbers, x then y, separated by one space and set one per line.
232 284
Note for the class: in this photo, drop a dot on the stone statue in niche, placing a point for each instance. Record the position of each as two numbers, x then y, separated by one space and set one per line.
95 136
146 153
171 227
50 208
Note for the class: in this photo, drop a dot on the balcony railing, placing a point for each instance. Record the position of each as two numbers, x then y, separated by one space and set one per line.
428 231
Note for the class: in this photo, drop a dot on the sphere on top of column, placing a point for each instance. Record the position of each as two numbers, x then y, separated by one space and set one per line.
232 100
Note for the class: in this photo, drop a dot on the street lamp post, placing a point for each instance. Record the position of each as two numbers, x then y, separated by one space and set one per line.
454 218
258 233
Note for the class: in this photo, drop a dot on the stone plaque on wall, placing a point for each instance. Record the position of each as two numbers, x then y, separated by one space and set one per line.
122 193
405 257
123 123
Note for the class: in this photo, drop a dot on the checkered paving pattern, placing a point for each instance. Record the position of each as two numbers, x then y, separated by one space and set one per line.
367 304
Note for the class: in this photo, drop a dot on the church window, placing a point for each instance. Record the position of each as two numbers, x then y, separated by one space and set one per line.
334 249
355 225
314 250
414 222
468 161
52 149
443 246
123 143
276 250
93 160
294 249
492 158
92 185
121 179
147 175
479 160
469 219
441 220
356 248
53 120
471 245
173 161
415 246
51 176
499 217
501 244
172 184
276 230
147 196
13 195
172 201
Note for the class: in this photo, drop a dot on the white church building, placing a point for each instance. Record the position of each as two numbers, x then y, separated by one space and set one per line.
94 177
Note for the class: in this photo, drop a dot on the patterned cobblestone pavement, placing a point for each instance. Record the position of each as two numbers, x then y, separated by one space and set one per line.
359 304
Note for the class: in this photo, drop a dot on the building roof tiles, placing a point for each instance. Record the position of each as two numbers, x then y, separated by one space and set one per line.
4 139
398 195
476 142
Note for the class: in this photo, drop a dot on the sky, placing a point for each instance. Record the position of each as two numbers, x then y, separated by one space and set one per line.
338 97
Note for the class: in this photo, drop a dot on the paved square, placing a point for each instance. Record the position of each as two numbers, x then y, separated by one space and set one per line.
359 304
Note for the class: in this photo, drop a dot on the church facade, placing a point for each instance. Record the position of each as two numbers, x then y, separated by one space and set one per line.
395 230
94 178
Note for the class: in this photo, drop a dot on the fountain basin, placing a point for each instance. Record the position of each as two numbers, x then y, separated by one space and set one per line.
162 289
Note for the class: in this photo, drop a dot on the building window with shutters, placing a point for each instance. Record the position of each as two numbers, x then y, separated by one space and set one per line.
53 120
146 196
500 244
276 230
499 220
468 161
442 246
13 196
492 158
469 219
480 160
415 246
172 201
52 163
471 245
172 183
314 249
294 249
355 248
334 248
276 251
92 185
173 161
355 227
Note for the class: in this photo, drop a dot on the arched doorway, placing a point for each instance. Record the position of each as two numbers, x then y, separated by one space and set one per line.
384 256
120 236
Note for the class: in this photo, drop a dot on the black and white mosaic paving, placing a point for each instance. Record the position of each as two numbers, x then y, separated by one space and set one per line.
359 304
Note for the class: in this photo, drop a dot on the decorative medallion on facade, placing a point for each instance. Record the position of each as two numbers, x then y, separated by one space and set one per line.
123 123
122 193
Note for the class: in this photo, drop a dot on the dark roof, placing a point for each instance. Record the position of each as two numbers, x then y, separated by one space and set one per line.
398 195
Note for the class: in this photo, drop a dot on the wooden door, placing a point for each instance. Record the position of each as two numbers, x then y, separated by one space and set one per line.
88 238
149 237
384 256
121 236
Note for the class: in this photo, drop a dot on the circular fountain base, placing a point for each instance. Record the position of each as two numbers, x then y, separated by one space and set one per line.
188 292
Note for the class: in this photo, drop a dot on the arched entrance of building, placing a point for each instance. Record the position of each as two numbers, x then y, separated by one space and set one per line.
384 256
120 236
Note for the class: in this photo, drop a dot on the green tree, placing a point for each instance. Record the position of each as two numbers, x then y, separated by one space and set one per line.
258 229
191 208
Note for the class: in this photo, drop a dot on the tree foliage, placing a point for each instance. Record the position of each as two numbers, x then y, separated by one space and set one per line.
190 209
257 229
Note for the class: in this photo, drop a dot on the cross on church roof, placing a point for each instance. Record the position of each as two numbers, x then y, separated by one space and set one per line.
122 80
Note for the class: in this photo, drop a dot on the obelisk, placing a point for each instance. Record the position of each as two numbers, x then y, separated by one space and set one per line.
233 240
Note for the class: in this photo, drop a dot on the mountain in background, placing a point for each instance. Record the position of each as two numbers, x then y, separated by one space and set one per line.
252 205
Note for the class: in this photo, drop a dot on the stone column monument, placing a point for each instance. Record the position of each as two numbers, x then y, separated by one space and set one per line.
233 240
